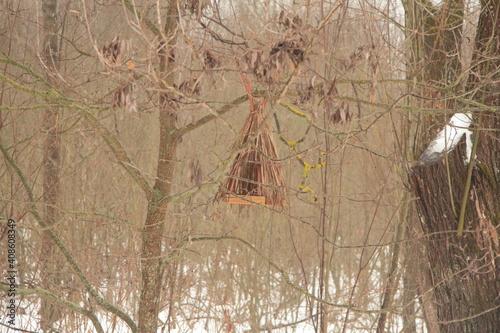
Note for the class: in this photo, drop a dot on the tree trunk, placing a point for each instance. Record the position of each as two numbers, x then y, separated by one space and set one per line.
464 270
49 311
152 234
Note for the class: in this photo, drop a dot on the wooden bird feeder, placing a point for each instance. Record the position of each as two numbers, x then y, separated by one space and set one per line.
256 176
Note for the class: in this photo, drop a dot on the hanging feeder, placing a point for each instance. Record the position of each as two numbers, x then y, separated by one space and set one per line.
256 176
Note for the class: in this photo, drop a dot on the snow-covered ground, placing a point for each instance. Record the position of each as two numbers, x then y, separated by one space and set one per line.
199 311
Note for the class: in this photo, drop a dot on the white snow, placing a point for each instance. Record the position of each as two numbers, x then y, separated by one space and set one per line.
448 138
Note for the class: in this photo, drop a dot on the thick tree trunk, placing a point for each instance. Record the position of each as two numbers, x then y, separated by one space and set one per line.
49 311
433 37
152 234
464 270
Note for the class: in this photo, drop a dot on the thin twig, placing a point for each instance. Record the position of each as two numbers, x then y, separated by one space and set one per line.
69 257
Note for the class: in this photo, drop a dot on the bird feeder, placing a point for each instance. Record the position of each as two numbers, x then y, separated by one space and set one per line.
256 176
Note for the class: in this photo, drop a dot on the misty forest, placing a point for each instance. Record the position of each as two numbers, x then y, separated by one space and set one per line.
250 166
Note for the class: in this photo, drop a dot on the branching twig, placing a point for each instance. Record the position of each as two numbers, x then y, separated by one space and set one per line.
69 257
119 152
283 273
47 294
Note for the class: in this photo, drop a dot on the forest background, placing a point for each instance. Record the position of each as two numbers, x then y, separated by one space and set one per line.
120 121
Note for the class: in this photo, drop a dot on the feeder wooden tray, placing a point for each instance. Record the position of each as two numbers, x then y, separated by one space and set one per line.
250 200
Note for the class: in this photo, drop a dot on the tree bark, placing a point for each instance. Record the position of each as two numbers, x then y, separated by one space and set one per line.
49 270
464 270
152 234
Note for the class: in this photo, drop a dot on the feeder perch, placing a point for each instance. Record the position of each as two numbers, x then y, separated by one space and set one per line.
246 200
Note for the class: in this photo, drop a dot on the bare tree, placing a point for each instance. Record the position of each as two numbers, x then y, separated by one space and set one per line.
51 270
456 201
150 99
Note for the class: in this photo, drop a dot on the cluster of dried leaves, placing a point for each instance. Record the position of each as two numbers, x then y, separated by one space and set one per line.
335 112
269 65
125 95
